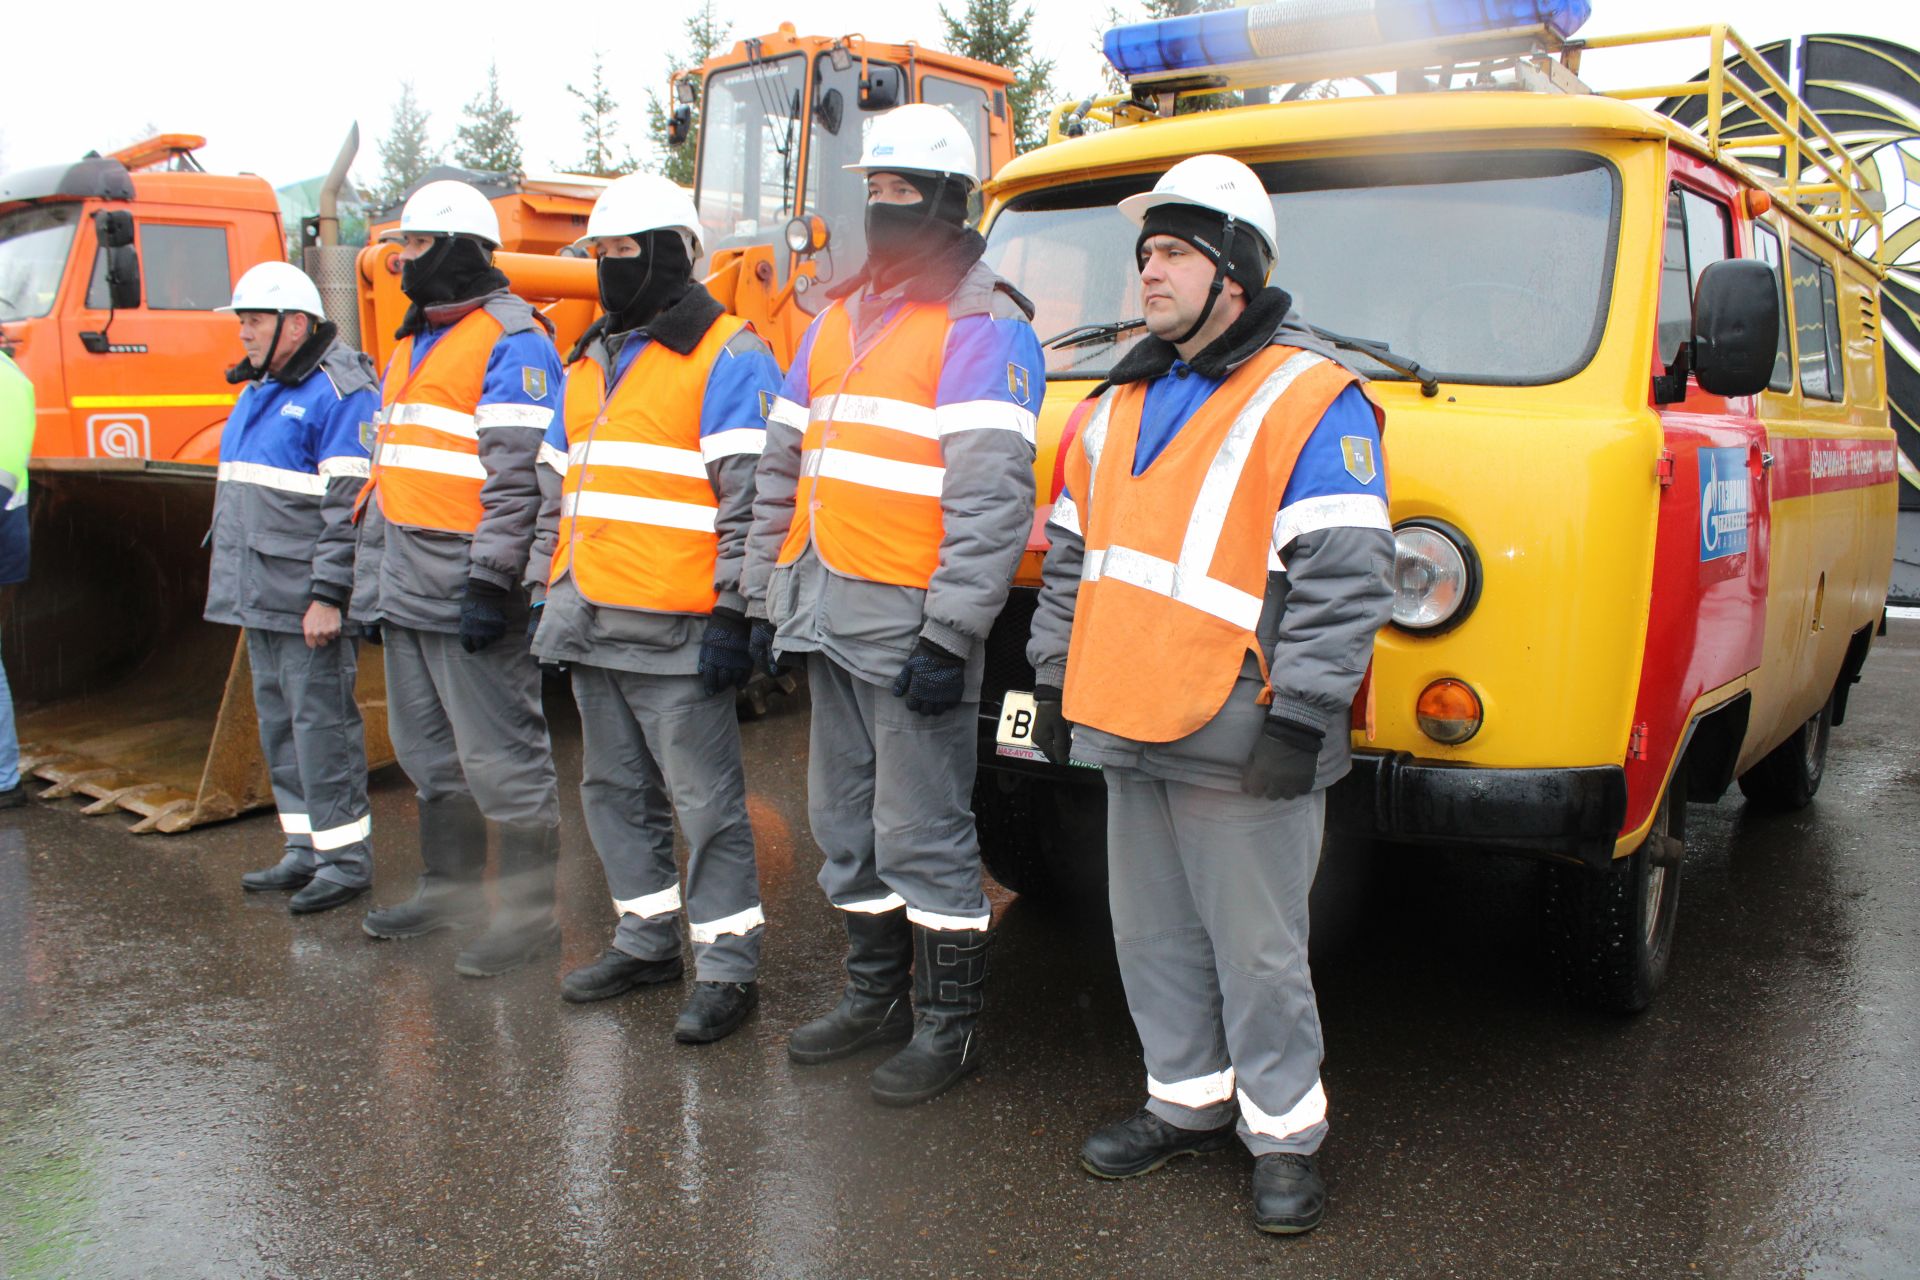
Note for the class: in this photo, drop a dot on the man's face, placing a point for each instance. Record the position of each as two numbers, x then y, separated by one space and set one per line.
891 188
256 332
616 247
1175 278
413 245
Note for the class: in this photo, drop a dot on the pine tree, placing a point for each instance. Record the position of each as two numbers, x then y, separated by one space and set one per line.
994 31
600 131
489 140
406 152
705 35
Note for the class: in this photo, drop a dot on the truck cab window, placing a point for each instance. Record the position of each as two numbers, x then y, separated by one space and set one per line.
1697 235
1816 325
1766 247
181 269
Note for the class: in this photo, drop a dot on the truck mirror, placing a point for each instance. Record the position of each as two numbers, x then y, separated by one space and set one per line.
113 228
880 88
123 277
680 125
1736 327
829 109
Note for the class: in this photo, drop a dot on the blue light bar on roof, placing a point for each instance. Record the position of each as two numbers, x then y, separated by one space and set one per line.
1198 41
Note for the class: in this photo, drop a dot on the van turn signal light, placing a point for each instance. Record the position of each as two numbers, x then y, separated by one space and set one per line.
1448 711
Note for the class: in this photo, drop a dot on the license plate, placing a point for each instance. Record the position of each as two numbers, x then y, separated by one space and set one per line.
1015 737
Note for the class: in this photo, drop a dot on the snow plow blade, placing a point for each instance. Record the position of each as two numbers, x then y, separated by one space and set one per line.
124 695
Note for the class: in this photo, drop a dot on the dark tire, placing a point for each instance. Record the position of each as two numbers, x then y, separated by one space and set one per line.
1611 931
1787 776
1043 839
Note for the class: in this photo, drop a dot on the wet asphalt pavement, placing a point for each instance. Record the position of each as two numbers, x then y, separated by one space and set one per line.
193 1084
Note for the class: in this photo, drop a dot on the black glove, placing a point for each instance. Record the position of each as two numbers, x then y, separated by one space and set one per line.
760 649
483 615
726 653
931 680
1051 732
370 632
1283 761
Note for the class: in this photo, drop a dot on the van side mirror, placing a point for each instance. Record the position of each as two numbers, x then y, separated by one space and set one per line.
880 88
1736 327
679 125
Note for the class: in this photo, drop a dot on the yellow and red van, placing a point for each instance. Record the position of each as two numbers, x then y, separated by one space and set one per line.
1618 590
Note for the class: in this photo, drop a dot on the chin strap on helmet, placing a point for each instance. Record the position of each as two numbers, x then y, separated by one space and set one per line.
1219 281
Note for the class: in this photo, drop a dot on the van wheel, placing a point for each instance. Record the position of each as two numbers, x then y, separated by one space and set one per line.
1788 775
1611 931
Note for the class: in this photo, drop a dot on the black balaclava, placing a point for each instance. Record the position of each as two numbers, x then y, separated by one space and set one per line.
637 289
1234 248
901 236
455 269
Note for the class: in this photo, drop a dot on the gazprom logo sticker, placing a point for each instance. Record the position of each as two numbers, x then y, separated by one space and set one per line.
1725 507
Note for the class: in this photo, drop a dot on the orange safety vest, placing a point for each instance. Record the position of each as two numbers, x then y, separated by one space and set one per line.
637 519
1175 574
870 462
426 463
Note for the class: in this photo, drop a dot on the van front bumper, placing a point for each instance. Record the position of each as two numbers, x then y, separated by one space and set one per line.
1573 813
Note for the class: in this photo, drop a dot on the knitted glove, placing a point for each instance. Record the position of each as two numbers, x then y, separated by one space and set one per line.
483 615
726 656
932 679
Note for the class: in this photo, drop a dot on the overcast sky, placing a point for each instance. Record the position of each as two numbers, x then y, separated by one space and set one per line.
274 86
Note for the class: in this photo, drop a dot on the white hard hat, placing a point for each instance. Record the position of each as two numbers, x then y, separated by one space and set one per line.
639 203
919 138
446 207
276 286
1220 183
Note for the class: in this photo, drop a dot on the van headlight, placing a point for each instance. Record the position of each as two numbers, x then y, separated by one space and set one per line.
1436 576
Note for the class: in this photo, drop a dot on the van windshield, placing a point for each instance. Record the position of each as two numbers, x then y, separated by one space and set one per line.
1483 267
33 255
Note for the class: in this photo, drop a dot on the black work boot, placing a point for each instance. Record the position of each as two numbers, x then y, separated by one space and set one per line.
715 1011
1143 1142
453 853
1288 1195
523 925
874 1009
284 874
949 989
615 974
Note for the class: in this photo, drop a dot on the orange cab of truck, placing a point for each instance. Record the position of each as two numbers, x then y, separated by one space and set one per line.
779 116
110 268
1642 478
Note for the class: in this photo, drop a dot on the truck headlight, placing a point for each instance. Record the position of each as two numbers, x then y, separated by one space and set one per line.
1436 576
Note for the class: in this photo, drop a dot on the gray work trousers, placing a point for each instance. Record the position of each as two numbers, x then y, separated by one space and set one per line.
1209 893
316 753
889 797
471 723
655 746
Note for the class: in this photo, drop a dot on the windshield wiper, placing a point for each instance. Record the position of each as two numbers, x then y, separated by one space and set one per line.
1082 334
1381 353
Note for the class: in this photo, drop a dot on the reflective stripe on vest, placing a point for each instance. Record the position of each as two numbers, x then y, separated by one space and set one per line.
871 470
638 510
1175 574
426 463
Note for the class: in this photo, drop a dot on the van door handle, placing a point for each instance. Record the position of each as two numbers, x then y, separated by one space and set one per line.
1766 461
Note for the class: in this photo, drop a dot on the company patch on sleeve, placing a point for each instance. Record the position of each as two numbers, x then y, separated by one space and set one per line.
766 405
369 432
534 382
1019 384
1357 453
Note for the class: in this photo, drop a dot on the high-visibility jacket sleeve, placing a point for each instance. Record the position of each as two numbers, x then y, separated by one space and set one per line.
777 477
517 404
551 473
991 382
342 431
1060 575
1332 535
740 393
